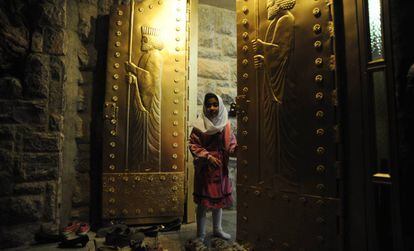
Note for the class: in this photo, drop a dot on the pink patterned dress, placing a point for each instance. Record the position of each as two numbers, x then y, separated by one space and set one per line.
212 187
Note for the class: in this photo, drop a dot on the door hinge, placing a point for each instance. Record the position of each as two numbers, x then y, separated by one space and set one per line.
111 113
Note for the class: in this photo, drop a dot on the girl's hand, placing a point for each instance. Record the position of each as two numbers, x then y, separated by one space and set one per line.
214 161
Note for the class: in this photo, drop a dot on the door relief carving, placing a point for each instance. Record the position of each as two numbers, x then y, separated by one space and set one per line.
144 144
286 178
145 122
273 55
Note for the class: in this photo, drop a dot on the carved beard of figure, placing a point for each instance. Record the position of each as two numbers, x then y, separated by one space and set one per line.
275 6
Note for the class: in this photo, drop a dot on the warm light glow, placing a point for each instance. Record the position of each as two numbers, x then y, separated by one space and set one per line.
170 20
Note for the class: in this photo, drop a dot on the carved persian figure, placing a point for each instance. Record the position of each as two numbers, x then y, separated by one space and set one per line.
145 78
273 55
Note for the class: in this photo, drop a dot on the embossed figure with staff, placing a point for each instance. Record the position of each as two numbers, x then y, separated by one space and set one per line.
272 55
145 80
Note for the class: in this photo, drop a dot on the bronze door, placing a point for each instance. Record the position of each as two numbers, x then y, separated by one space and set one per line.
144 112
288 163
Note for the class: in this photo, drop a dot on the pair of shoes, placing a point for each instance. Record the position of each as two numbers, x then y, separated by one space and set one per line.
81 240
75 227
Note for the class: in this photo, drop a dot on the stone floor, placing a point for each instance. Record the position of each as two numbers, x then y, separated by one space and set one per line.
171 241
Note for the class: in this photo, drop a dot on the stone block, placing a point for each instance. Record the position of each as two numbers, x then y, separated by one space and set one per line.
18 210
83 57
207 39
37 42
207 18
6 184
208 53
32 188
224 84
87 13
213 69
10 88
7 132
42 142
79 130
57 69
229 46
84 29
30 112
37 76
57 98
83 162
104 6
55 41
14 42
39 167
87 57
233 71
225 22
53 13
56 122
51 202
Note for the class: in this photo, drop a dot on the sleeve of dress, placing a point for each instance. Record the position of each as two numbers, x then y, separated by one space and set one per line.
196 148
233 143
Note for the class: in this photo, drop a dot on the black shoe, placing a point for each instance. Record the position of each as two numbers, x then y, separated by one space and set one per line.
174 225
119 237
150 231
81 240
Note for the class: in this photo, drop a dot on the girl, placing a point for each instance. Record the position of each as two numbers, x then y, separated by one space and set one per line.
211 143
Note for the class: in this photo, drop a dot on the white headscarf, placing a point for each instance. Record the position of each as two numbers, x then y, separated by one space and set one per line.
214 125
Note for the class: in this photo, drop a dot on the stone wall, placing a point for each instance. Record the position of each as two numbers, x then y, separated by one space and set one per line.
32 76
217 62
48 69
